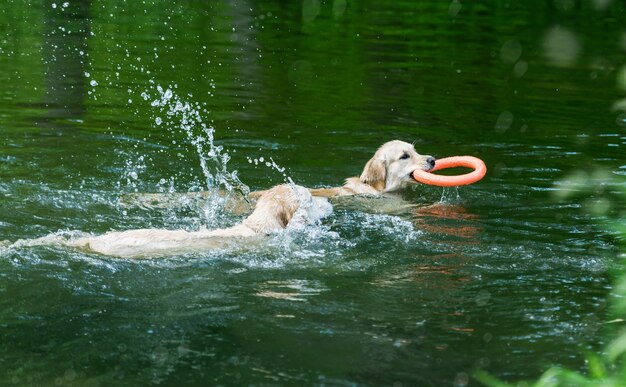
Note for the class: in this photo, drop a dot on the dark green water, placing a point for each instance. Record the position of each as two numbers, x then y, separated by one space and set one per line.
504 275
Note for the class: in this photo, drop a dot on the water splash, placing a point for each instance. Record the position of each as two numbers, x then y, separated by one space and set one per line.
185 116
272 165
192 137
450 195
133 169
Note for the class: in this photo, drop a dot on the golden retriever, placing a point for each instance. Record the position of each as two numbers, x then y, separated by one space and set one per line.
277 208
390 169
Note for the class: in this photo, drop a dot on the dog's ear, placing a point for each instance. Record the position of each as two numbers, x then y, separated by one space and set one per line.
284 216
375 173
286 211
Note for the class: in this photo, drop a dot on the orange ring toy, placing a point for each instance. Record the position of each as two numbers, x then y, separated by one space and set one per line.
478 166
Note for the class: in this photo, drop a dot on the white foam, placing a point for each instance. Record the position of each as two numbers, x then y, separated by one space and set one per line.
311 209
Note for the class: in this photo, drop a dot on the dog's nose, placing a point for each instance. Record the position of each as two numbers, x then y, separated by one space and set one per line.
431 161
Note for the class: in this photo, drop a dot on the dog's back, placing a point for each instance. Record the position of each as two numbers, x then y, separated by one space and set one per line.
275 209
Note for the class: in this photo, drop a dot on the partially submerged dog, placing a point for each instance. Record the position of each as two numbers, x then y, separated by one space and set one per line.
390 169
279 207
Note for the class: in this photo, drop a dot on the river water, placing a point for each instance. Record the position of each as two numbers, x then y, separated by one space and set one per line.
103 101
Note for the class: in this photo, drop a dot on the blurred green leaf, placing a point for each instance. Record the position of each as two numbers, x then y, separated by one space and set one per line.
617 347
562 377
489 380
597 369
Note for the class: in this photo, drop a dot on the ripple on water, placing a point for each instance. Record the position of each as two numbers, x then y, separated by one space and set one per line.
291 289
313 245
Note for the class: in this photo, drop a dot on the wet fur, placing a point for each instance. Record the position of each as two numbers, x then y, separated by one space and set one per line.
380 175
274 210
385 172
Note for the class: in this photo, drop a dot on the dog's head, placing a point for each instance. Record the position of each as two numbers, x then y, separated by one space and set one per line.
392 166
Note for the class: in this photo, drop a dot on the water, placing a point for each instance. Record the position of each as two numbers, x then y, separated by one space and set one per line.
508 275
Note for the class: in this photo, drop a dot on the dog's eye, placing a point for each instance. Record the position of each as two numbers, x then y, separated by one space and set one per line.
404 156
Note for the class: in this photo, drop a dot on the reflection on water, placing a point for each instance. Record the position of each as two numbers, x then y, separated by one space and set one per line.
432 219
292 290
507 275
66 59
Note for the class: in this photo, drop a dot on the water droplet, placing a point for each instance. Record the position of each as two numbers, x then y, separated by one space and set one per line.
504 122
561 47
520 68
310 10
461 380
339 7
454 8
601 5
93 83
511 51
621 78
158 120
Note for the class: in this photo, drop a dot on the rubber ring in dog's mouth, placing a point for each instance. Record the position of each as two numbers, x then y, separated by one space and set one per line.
478 166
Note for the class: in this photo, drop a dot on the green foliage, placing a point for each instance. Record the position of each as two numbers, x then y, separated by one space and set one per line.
608 370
